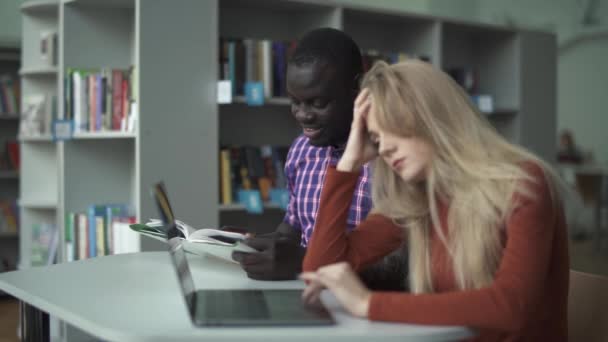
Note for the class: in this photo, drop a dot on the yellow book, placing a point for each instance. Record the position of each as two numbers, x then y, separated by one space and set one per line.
225 177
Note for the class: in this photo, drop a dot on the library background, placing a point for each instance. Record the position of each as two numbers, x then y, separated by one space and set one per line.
101 98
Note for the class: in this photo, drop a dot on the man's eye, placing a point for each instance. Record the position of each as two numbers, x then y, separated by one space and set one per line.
319 103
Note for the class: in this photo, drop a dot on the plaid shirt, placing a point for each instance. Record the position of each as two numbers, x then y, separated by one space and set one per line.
305 170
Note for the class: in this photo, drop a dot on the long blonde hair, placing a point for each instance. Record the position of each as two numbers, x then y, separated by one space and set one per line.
473 168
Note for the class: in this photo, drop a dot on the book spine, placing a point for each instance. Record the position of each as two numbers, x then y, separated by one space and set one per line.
99 100
92 248
267 68
101 239
225 176
83 240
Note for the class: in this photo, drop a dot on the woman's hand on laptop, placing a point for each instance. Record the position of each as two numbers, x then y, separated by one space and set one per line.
343 282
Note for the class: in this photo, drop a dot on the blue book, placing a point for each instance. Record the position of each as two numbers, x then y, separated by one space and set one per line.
94 212
231 66
279 55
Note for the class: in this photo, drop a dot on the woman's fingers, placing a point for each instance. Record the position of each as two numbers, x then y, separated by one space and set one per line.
361 97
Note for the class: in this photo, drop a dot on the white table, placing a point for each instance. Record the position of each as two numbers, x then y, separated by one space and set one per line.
135 297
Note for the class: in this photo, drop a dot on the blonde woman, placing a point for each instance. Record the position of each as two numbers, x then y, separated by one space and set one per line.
482 217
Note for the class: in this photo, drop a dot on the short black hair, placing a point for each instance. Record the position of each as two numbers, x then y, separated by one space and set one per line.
333 47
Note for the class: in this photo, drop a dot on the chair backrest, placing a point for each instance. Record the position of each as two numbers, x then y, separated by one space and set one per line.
587 307
590 187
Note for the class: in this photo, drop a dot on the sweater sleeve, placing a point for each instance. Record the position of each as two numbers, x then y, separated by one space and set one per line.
374 238
506 304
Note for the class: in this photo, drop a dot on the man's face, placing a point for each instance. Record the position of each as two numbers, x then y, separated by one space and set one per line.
320 102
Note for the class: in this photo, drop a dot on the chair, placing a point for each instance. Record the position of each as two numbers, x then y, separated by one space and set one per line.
592 188
587 307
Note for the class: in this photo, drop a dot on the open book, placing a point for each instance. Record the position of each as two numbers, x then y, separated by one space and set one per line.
214 242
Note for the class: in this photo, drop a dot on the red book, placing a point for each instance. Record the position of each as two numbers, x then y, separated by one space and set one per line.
12 148
125 102
116 99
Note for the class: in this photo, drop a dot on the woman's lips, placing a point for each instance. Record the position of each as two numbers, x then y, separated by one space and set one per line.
398 164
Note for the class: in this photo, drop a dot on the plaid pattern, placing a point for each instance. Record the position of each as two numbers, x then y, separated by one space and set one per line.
305 170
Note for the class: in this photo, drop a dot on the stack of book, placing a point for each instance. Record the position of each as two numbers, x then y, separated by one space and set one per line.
102 230
249 60
100 100
251 168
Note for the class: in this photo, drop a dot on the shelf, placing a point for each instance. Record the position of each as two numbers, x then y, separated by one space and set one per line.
11 174
37 204
105 135
501 112
41 138
278 101
103 3
240 207
9 117
40 6
9 235
39 71
10 55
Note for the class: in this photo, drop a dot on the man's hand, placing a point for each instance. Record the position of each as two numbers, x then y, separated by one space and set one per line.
279 257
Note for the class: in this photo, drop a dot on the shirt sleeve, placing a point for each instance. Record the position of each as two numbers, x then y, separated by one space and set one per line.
291 214
511 300
371 240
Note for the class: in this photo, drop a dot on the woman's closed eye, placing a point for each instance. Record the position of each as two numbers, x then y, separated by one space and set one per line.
374 139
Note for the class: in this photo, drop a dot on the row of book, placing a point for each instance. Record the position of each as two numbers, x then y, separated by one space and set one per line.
251 168
100 100
249 60
9 216
265 61
102 230
9 95
10 156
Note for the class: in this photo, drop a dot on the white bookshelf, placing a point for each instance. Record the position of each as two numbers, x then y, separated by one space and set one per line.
39 71
105 135
40 6
498 54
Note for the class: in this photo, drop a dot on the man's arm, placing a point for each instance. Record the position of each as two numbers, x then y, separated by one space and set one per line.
279 258
390 274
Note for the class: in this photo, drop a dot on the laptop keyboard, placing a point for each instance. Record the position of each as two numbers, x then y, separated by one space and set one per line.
235 304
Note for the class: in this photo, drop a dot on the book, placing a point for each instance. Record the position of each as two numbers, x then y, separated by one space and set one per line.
206 241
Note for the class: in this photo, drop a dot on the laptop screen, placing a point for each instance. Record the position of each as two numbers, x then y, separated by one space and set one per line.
180 263
174 241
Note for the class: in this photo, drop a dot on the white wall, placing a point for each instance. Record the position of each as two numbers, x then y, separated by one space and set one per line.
582 67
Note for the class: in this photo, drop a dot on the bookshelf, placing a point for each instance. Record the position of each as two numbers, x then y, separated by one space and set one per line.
506 62
9 169
117 166
190 121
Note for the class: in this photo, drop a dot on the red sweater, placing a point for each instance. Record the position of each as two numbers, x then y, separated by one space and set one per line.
527 300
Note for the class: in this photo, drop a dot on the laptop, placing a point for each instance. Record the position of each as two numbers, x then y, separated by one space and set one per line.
234 307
